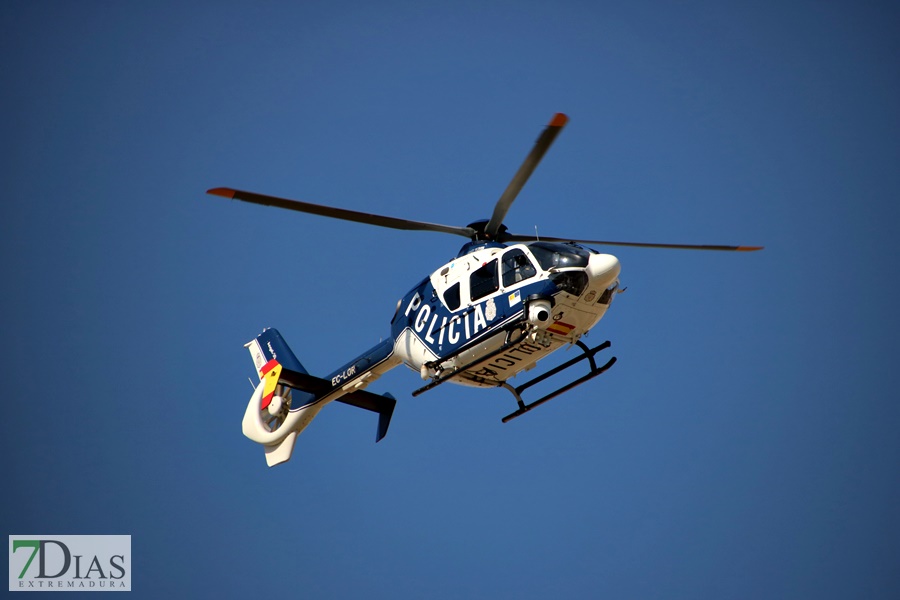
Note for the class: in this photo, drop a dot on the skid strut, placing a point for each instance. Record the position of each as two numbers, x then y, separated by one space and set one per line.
588 353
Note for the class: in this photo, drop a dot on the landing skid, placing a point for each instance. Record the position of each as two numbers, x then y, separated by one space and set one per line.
588 353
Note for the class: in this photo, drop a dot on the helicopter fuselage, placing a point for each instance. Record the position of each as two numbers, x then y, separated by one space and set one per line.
489 314
477 303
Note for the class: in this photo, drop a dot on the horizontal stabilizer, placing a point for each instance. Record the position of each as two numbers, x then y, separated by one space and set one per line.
383 405
305 382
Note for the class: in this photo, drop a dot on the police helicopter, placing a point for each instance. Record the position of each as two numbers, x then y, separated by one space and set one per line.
492 313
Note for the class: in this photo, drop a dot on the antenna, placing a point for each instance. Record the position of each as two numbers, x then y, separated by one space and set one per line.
536 236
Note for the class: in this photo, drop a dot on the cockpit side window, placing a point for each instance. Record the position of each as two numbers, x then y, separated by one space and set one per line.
451 296
484 280
516 267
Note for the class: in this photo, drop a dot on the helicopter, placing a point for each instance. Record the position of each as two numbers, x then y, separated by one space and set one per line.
504 303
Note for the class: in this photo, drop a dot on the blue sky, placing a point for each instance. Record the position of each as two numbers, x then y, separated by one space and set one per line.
745 444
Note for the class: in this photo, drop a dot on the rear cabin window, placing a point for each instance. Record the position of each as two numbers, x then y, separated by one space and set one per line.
516 267
451 296
484 280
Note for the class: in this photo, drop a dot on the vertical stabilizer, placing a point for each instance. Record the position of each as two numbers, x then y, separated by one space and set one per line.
269 346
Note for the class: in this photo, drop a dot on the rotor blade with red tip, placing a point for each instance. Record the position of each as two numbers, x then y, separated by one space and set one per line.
340 213
515 186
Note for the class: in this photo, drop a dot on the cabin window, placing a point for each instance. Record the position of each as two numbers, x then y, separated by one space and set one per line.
451 296
516 267
484 280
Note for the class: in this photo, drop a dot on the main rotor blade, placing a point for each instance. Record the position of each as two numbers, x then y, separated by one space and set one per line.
518 181
340 213
544 238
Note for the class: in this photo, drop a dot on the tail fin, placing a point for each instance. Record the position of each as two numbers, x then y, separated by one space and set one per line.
268 346
275 363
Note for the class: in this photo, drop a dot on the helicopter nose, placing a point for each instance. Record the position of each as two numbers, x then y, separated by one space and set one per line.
603 269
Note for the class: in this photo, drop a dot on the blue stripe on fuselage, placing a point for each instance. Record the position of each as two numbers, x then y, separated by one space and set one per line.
444 331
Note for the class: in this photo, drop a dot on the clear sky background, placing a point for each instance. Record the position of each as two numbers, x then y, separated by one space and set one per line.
746 443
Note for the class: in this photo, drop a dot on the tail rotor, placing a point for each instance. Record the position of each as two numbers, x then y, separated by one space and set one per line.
276 412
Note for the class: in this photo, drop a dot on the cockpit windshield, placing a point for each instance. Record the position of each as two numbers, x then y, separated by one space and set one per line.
550 254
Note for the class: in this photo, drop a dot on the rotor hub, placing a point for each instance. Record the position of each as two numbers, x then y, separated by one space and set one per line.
481 235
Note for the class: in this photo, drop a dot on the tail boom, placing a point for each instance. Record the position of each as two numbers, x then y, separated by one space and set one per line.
287 397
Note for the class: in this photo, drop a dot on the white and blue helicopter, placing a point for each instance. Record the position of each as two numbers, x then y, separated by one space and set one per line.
504 303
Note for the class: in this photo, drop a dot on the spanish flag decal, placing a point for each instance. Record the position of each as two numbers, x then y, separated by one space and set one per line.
271 371
560 328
